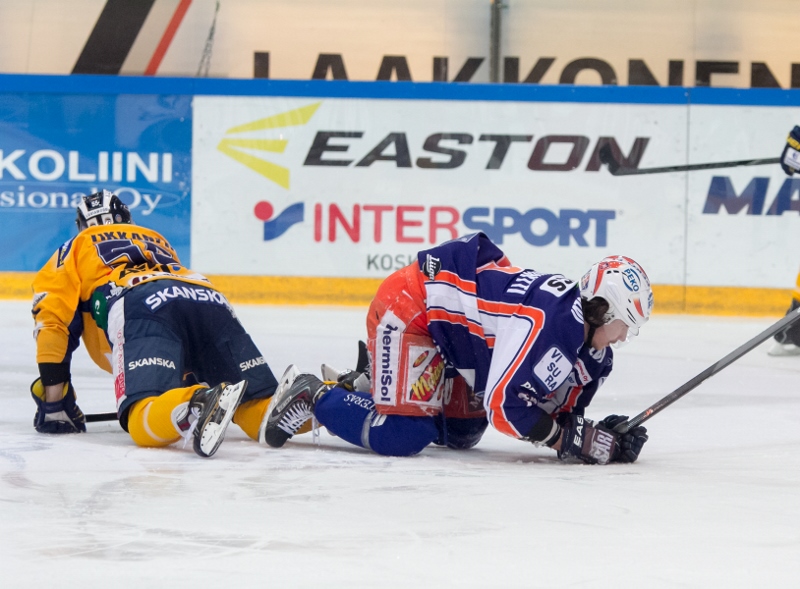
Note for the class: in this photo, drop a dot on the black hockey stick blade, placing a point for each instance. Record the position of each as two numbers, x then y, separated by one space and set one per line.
708 372
90 417
607 157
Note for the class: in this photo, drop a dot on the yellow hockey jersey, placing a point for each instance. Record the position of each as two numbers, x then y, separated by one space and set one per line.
99 263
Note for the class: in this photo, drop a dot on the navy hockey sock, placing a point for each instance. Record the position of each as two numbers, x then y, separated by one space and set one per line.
352 417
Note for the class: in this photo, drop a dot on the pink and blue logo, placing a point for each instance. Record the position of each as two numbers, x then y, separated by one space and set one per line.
277 226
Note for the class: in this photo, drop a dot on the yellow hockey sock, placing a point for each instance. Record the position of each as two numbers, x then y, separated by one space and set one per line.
249 416
150 421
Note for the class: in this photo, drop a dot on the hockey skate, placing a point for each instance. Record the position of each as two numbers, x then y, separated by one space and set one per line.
783 343
783 349
352 380
212 410
347 379
291 407
284 383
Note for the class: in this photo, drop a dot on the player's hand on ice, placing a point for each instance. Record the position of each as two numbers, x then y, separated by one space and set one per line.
57 417
582 439
790 158
629 444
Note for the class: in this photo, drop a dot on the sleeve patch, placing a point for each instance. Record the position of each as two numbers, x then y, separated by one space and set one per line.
553 368
63 252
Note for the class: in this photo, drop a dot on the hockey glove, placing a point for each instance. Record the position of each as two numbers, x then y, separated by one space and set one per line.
630 443
790 158
581 439
59 417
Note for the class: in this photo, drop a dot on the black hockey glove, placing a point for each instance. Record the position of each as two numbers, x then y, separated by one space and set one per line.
59 417
630 443
790 158
586 441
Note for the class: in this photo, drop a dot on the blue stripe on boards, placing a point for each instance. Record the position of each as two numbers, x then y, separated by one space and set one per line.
97 84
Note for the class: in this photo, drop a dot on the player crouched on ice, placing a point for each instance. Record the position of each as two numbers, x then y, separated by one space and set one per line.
158 327
461 339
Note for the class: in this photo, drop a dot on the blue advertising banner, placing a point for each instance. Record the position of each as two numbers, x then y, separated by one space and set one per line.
55 148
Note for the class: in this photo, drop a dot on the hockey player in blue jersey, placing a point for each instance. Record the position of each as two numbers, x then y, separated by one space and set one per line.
462 339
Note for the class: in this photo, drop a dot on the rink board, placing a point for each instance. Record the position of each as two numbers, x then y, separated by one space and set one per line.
312 192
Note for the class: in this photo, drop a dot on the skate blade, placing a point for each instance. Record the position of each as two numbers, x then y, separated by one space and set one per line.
286 381
214 433
329 373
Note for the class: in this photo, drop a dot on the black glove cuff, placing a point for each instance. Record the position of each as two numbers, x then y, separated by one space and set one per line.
54 373
545 431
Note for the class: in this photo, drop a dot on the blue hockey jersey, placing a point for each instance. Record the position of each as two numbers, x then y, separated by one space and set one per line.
515 335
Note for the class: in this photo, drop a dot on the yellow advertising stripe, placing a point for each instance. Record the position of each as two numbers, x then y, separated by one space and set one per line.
272 145
310 290
721 300
297 290
274 172
16 285
298 116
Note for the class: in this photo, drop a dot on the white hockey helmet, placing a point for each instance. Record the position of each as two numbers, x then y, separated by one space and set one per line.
101 208
623 284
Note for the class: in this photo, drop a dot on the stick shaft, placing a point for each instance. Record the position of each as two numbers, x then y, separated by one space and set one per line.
90 417
708 372
692 167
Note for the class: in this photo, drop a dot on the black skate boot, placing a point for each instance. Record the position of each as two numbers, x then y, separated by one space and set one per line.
291 407
209 413
351 380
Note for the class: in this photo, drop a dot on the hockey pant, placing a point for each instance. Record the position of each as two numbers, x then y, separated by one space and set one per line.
167 336
409 375
412 403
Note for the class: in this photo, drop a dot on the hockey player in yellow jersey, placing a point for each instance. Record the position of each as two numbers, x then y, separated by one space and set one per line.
183 365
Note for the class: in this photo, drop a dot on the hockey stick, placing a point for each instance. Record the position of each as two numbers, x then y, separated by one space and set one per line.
90 417
708 372
614 167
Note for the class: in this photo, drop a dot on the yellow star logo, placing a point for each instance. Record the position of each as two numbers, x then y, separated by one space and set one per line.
233 147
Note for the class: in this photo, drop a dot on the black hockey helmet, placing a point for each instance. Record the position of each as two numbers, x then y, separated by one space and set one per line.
102 208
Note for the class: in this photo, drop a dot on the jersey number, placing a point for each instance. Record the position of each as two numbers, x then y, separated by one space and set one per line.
557 285
114 252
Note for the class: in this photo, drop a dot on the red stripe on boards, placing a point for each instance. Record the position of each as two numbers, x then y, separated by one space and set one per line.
166 39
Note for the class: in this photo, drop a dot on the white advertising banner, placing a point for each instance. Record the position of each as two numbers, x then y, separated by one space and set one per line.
355 187
742 222
350 187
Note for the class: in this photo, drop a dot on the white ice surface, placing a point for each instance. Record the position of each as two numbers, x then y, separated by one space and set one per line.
714 500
